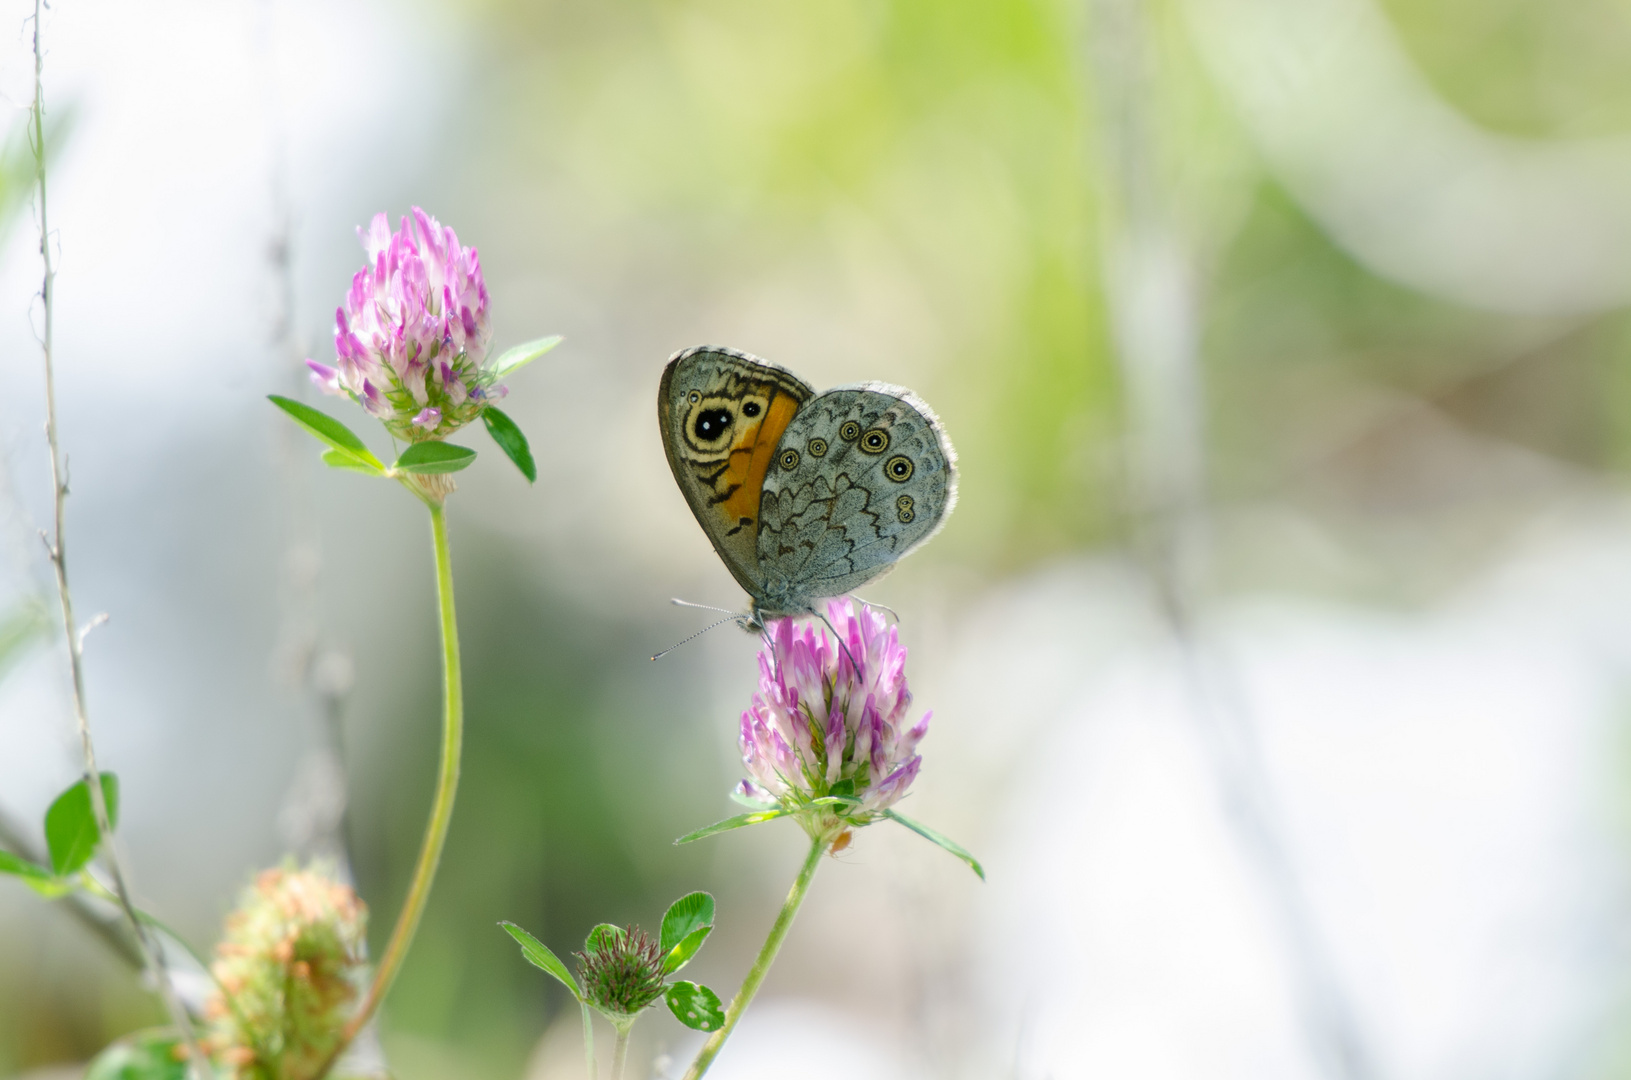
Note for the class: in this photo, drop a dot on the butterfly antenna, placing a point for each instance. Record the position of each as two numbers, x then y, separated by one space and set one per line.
699 633
677 602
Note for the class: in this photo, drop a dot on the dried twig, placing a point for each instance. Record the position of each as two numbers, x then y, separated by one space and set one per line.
56 548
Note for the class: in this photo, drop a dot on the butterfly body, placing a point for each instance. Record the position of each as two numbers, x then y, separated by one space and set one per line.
803 495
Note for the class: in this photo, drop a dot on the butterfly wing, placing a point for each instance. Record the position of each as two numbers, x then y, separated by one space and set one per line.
863 475
721 413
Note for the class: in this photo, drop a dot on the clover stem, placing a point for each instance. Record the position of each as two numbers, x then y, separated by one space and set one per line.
441 810
589 1041
766 957
152 951
620 1054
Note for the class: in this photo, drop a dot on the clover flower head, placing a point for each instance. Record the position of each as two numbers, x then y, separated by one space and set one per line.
829 719
621 970
411 338
285 975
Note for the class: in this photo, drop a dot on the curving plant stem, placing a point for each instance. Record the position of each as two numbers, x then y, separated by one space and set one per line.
56 549
761 965
447 783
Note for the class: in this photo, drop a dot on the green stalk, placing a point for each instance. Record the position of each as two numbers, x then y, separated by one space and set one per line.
441 809
589 1042
761 966
620 1053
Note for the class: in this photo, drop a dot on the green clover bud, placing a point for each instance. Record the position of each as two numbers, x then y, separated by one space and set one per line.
621 971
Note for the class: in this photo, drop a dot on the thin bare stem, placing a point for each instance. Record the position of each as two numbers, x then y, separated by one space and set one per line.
57 549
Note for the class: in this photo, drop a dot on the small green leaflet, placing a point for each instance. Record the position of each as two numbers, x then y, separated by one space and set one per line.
539 956
510 440
512 360
695 1006
689 913
434 457
681 954
70 824
934 837
686 925
145 1055
736 822
339 459
602 937
330 430
35 877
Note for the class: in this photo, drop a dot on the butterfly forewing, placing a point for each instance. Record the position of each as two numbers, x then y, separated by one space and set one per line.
722 414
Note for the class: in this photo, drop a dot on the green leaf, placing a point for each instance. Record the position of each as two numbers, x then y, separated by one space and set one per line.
934 837
512 360
36 877
539 956
736 822
844 788
836 800
145 1055
688 913
602 937
339 459
328 429
70 824
687 947
695 1006
434 457
510 440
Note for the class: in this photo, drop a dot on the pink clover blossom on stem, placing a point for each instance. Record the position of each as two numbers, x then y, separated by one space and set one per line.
411 339
830 719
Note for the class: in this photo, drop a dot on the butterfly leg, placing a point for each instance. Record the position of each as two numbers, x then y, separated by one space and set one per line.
841 643
881 607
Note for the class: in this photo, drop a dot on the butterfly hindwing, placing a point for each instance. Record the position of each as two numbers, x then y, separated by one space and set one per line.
862 475
722 413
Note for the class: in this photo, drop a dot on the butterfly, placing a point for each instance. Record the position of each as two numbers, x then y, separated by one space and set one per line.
804 495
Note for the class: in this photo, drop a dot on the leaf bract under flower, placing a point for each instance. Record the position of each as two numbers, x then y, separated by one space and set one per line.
936 838
737 822
434 457
329 430
602 937
514 359
509 438
339 459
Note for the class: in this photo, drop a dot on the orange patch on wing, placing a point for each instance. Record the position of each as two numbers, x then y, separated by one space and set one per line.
750 458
